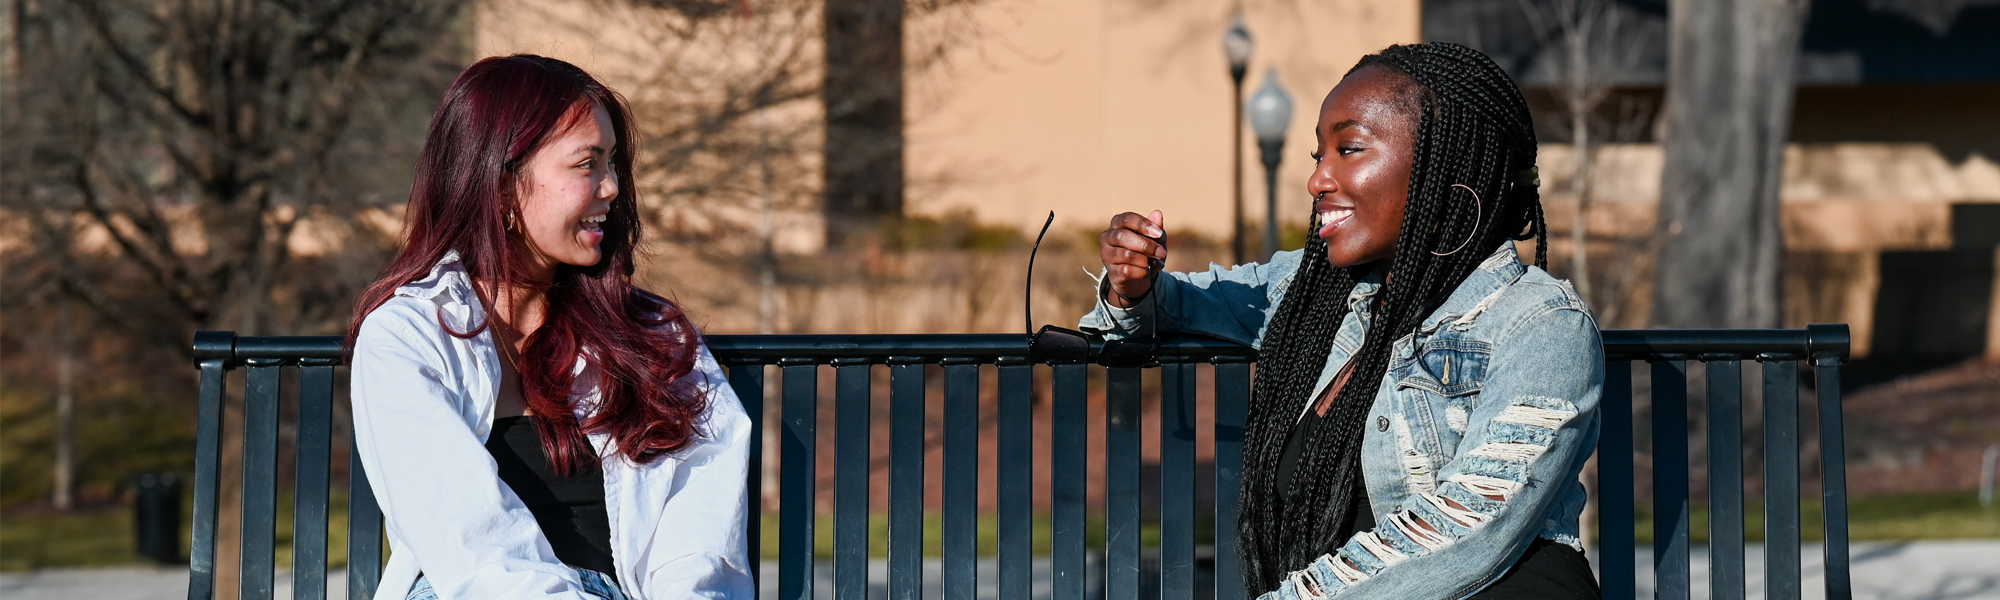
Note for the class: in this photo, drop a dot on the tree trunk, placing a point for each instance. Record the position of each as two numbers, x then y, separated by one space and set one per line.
1729 103
863 94
1586 151
65 475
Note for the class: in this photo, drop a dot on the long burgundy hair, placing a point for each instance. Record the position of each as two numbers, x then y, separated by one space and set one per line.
492 120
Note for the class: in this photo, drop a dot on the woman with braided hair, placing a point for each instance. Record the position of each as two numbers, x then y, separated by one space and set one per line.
1424 402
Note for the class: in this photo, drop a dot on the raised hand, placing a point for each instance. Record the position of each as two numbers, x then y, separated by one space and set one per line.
1129 249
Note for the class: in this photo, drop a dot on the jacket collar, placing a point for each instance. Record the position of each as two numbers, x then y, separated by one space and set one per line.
1500 269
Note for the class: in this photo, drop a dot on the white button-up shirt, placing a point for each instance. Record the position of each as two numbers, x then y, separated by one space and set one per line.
423 407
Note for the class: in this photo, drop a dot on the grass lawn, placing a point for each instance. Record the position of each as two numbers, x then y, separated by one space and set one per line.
74 539
989 534
1901 517
104 537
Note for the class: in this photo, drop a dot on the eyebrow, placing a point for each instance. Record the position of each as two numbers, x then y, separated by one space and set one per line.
1348 124
591 148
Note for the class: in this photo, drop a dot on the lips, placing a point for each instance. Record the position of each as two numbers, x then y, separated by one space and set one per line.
593 223
1331 217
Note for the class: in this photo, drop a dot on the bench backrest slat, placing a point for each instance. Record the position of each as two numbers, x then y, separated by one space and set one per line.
1122 462
1670 480
208 460
749 386
798 476
1014 478
1725 480
314 460
850 480
1615 491
1232 380
260 477
1833 475
1122 567
1781 482
1177 454
364 531
906 479
960 527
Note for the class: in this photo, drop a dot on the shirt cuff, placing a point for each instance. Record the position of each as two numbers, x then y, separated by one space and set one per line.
1116 323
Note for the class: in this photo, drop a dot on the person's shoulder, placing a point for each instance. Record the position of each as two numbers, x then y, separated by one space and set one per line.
426 305
400 316
1538 304
1538 288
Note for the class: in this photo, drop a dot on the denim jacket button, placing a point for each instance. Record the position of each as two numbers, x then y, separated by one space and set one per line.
1381 423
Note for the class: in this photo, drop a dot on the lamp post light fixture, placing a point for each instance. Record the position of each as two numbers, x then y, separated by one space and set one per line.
1236 45
1270 114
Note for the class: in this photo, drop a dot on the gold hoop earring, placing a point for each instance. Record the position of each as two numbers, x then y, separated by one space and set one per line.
1479 213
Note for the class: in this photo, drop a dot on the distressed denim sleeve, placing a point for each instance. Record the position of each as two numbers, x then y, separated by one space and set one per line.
1230 303
1535 423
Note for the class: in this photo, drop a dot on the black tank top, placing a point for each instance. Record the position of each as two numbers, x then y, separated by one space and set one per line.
1361 517
569 509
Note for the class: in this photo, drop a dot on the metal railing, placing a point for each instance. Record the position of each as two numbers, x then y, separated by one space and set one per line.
799 359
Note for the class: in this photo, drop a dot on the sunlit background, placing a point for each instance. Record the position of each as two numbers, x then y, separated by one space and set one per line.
880 166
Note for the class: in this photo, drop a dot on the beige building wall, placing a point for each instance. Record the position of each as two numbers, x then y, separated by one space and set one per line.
1844 204
600 37
1094 107
1084 107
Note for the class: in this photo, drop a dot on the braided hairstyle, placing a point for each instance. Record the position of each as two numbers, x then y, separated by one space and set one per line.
1473 129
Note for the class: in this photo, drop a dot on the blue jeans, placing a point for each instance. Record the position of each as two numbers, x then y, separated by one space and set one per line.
594 583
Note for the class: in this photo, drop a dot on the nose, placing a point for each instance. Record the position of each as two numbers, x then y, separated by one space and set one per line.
607 188
1321 181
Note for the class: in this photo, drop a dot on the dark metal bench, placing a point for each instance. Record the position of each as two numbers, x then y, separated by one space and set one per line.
852 357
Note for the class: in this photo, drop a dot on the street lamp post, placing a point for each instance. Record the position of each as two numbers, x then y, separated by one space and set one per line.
1236 45
1270 113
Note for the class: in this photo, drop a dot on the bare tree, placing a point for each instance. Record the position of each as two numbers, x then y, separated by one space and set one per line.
197 137
739 128
733 124
1731 69
1593 47
211 164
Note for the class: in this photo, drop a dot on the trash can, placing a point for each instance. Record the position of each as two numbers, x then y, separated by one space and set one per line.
156 517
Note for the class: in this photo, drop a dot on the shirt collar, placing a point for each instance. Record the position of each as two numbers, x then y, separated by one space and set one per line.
448 275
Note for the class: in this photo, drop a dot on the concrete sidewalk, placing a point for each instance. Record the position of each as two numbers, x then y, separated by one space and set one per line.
129 583
1937 570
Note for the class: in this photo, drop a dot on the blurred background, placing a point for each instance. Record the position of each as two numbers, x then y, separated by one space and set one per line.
881 166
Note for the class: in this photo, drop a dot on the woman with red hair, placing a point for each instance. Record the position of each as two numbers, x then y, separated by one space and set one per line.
533 425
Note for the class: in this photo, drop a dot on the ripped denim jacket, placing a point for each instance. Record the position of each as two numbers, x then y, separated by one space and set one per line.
1485 417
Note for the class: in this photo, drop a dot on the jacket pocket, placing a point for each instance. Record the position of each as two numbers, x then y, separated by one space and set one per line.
1450 367
1436 391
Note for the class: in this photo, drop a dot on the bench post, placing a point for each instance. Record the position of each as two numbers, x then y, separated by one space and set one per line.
1829 346
213 351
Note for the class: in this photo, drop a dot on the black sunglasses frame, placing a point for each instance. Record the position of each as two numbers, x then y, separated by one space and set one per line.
1064 345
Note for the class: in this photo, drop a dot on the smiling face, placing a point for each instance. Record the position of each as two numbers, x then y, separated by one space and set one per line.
567 189
1367 143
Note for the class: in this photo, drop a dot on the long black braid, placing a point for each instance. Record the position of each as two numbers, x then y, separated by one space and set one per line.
1473 129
